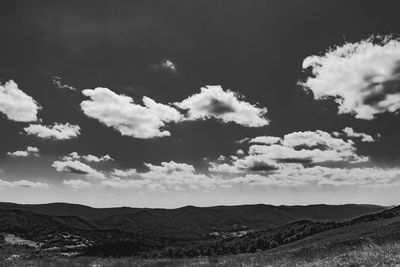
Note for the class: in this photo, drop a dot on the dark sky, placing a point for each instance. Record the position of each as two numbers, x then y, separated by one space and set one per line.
255 48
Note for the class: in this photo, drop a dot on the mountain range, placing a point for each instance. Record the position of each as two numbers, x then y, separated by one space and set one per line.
189 221
186 231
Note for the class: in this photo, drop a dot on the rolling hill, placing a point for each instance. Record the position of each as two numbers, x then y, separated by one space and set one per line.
183 232
189 221
304 234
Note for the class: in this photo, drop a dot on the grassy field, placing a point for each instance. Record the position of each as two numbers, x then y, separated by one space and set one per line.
366 254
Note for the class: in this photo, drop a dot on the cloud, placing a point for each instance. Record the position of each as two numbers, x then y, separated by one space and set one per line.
32 149
221 158
130 119
148 120
168 176
88 158
57 82
24 153
172 176
170 167
242 141
299 159
134 183
309 147
239 152
213 101
297 175
92 158
364 137
316 139
23 183
124 173
251 170
76 184
17 105
56 131
166 65
78 168
72 156
18 153
364 77
267 140
250 163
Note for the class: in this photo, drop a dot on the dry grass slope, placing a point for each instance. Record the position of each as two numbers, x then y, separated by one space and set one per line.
368 254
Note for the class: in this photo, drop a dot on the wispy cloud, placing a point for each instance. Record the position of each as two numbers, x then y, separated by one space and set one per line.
58 83
78 168
167 65
23 183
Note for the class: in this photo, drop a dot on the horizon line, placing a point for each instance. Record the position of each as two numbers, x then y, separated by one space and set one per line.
194 206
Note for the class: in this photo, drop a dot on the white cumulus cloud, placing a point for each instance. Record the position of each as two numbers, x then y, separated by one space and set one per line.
17 105
227 106
122 114
363 136
309 146
364 76
270 154
88 158
19 153
56 131
24 153
92 158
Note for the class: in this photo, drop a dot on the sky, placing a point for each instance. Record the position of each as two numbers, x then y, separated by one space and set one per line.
174 103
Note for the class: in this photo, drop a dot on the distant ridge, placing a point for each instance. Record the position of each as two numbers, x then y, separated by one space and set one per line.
68 209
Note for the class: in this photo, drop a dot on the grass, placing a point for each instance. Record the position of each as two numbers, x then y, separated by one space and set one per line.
367 254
